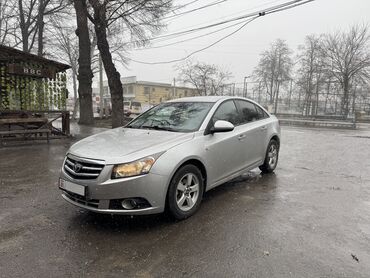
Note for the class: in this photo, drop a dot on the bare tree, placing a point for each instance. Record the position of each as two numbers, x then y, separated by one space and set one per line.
311 72
65 47
347 58
8 22
32 15
140 19
273 68
208 79
47 9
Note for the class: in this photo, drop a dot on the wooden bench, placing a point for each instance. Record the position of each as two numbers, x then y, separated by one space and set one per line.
24 132
23 121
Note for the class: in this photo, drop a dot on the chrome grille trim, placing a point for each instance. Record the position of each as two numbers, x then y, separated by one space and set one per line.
87 169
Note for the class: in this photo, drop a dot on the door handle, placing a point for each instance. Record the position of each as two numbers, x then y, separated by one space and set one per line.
263 127
241 137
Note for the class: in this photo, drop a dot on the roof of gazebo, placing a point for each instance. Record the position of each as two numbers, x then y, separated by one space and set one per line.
9 54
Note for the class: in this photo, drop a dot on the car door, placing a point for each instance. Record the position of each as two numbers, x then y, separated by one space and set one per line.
254 131
224 150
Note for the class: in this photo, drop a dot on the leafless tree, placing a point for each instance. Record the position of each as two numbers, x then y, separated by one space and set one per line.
348 58
273 68
311 72
208 79
8 22
65 49
136 19
33 15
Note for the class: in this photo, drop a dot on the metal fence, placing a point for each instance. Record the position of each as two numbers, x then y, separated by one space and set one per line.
292 99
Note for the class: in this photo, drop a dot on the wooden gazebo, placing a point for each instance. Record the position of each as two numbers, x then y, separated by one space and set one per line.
33 95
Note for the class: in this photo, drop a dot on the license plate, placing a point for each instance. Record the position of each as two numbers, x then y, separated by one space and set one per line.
72 187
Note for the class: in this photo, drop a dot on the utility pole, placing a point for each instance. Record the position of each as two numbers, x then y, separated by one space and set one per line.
245 86
101 88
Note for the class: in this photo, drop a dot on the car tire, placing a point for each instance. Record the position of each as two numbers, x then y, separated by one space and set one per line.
271 157
185 192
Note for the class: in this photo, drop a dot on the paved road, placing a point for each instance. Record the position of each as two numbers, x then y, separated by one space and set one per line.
307 220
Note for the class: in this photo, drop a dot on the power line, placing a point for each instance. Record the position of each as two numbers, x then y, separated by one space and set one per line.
196 9
197 51
180 35
271 10
260 6
193 38
183 6
185 32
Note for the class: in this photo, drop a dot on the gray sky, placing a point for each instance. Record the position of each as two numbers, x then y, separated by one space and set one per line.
240 53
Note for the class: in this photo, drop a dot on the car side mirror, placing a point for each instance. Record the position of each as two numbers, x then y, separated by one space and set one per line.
222 126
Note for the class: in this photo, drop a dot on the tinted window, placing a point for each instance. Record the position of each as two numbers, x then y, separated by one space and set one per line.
248 112
226 112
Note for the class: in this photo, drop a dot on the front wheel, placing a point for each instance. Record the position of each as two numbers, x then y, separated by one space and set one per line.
185 192
271 157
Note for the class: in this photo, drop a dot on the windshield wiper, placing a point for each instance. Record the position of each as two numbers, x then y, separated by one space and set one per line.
156 127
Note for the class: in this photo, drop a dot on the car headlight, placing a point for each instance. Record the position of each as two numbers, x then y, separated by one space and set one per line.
135 168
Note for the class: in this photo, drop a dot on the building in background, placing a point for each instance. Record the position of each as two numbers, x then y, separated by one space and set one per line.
142 93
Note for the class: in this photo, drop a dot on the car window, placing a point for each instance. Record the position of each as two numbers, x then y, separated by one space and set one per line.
174 116
261 114
247 111
226 112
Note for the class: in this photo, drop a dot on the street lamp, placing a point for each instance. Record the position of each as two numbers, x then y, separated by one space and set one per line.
245 86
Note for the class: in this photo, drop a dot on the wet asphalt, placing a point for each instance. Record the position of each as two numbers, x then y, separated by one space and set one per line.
309 219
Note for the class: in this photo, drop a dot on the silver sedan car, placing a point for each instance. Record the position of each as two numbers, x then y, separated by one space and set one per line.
169 156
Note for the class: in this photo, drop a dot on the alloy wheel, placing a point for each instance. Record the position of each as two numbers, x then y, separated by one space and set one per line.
272 156
187 192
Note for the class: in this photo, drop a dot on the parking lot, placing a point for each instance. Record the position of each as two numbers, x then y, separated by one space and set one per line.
309 219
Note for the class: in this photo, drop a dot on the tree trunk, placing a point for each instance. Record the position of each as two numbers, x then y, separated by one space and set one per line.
23 27
317 98
114 78
277 97
40 27
345 99
290 93
85 74
354 103
271 93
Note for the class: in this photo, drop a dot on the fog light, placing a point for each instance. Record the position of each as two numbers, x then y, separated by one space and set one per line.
129 204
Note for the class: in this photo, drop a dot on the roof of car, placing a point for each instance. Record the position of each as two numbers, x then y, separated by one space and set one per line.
201 99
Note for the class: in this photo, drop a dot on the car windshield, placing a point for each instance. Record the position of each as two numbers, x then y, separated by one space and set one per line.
173 116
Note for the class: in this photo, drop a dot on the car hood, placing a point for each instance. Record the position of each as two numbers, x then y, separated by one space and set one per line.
126 144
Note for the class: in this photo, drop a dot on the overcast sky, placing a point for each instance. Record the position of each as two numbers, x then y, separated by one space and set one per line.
239 53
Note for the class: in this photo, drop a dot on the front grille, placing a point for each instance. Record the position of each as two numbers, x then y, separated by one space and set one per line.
82 200
81 169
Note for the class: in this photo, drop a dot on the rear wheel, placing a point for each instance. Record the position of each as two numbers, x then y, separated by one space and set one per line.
271 157
185 192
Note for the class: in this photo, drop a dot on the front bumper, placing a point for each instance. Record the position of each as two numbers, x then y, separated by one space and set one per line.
101 194
87 206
